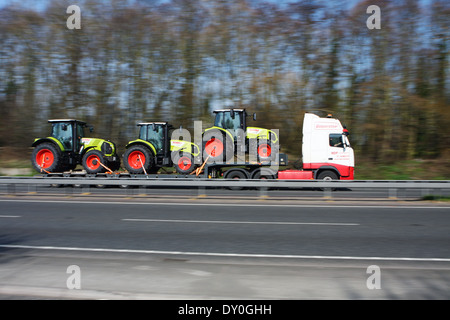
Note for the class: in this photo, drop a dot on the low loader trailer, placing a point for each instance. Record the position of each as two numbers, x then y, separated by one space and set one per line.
326 154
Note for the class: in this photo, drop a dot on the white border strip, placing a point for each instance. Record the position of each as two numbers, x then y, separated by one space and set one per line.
245 222
215 254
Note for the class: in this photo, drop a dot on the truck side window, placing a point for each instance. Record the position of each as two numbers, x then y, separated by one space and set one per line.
336 140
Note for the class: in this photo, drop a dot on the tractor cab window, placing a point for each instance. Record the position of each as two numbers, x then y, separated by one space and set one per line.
63 133
224 120
80 131
154 135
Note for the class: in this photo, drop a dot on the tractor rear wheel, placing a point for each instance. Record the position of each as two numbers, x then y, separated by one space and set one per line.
46 157
217 146
136 158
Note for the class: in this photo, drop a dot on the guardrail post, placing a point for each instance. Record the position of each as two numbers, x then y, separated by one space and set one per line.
142 191
263 192
86 189
32 189
11 188
327 193
69 191
393 193
201 192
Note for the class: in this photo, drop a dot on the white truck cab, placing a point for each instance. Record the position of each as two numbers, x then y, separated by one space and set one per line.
326 151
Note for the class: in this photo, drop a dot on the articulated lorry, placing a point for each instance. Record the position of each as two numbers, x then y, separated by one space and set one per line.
326 151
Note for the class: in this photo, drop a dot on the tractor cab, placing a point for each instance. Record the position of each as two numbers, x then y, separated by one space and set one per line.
68 133
66 147
155 149
230 135
157 134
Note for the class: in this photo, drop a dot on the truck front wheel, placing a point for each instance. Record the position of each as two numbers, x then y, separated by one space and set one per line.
327 176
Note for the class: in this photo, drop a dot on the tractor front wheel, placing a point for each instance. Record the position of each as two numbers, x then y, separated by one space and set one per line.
183 162
92 162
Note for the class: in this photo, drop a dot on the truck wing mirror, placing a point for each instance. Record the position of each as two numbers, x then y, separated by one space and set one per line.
254 117
91 129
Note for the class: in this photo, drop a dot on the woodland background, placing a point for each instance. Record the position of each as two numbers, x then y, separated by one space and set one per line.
177 60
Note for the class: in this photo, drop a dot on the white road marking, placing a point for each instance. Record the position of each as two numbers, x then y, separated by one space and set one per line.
184 204
246 222
216 254
5 216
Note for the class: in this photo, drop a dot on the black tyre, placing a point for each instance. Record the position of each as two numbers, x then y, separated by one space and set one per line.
183 162
217 146
46 157
235 175
92 162
327 175
136 158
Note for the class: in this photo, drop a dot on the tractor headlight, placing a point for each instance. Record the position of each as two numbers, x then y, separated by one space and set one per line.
107 148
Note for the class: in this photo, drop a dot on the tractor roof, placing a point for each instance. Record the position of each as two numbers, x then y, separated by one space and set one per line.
66 120
224 110
156 122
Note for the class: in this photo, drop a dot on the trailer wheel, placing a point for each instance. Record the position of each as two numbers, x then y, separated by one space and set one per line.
91 162
217 146
235 175
46 156
136 158
183 162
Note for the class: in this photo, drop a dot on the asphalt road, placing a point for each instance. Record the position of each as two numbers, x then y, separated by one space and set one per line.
223 249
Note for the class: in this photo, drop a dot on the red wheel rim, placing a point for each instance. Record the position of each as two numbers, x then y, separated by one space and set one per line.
136 159
45 158
264 151
214 147
184 163
93 162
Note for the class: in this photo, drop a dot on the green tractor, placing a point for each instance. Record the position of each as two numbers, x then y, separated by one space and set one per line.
220 142
154 149
67 147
